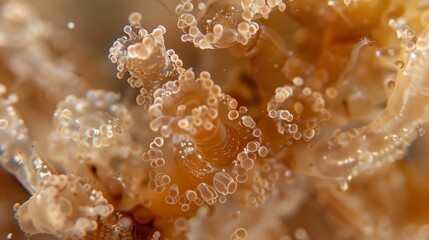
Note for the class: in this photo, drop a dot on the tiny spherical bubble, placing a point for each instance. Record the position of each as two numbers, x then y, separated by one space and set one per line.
272 113
284 114
248 122
194 31
127 29
135 18
201 6
257 132
247 164
422 44
184 207
179 9
188 7
280 97
263 151
242 156
298 107
222 199
71 25
212 101
215 90
297 136
181 224
233 114
309 133
191 195
252 146
189 19
239 233
293 128
331 92
218 29
3 89
247 15
210 38
205 75
3 123
298 81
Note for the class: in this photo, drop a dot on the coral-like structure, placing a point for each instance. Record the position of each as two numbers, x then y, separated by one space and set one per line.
310 134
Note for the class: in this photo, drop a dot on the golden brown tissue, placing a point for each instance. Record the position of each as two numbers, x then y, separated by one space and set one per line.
214 119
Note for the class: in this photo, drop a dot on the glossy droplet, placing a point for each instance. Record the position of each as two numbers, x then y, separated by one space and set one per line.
344 184
399 64
388 52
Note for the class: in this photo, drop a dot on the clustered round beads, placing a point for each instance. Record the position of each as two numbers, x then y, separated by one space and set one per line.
192 106
293 109
64 205
94 121
192 115
213 24
144 56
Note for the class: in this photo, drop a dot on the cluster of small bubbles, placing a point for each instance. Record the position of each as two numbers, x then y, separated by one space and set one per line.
66 205
192 116
291 107
420 130
154 155
145 57
253 8
208 193
17 153
391 149
214 24
210 146
224 183
264 182
405 33
94 121
244 162
158 181
388 52
192 119
173 194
